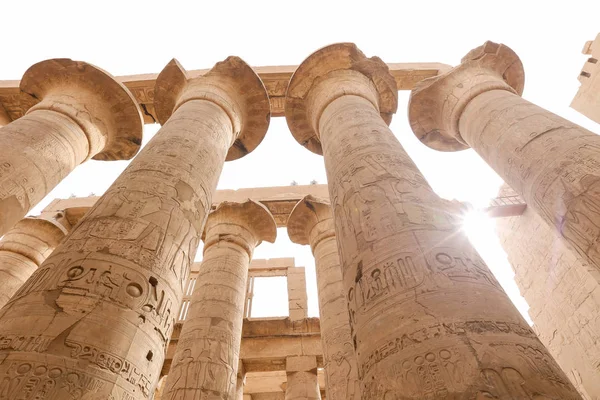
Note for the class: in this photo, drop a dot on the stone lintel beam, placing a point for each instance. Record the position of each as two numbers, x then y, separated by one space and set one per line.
213 327
587 99
74 111
275 78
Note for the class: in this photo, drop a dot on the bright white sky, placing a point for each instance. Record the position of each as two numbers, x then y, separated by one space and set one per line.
133 37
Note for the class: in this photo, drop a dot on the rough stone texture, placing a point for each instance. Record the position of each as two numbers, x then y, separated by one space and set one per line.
297 298
98 313
587 99
22 251
4 118
208 351
553 163
563 297
311 223
75 112
302 381
275 78
428 318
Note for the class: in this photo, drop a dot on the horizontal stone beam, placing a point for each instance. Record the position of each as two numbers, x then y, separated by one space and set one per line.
275 79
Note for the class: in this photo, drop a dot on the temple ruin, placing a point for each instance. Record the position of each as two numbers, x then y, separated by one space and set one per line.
101 297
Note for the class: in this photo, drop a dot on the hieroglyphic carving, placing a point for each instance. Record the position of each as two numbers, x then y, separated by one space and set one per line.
103 304
427 316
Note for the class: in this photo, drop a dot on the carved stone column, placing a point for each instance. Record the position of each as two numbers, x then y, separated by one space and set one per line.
311 222
22 251
428 318
76 111
302 379
4 118
98 313
208 350
553 163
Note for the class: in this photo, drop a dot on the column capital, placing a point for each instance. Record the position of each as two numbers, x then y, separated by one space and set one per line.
232 85
34 238
327 74
246 224
310 221
436 104
301 364
103 107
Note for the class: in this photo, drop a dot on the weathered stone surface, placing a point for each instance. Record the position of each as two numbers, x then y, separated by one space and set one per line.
302 381
208 350
4 118
76 112
563 297
23 249
311 223
587 99
99 312
428 318
553 163
275 78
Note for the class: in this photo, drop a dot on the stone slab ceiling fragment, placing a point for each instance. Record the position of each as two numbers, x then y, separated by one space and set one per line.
552 163
428 318
75 111
96 317
311 223
208 351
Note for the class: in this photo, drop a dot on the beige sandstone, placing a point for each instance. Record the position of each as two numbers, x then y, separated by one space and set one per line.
428 318
22 251
275 78
311 223
75 111
563 297
98 313
4 118
302 381
208 351
587 99
553 163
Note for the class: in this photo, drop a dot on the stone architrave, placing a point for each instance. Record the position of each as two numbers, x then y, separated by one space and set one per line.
23 249
76 111
428 318
94 321
311 222
208 349
552 163
302 379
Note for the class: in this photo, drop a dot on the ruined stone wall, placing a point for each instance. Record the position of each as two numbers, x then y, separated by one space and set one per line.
563 297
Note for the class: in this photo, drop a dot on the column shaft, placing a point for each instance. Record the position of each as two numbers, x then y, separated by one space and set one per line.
341 374
22 250
38 151
553 163
209 345
98 314
429 319
208 351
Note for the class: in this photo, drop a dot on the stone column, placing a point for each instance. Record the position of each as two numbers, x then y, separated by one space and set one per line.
311 222
76 112
551 162
302 379
428 318
241 373
4 118
22 251
208 350
98 313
